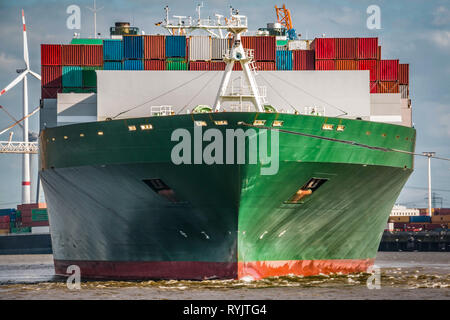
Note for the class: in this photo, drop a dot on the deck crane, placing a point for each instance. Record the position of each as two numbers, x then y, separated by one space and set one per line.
284 18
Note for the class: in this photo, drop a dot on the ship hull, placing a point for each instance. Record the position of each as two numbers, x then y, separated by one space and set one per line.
218 221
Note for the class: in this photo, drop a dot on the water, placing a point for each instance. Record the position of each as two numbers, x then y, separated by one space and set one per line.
404 275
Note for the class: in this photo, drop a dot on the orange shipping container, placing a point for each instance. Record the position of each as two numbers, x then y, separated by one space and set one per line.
93 55
403 73
387 87
72 54
154 47
346 65
154 65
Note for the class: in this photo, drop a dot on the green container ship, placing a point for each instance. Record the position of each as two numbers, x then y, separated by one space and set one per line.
122 205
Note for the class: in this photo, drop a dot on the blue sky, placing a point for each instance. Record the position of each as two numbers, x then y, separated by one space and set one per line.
416 32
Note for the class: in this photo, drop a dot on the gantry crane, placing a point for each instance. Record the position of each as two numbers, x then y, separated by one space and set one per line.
284 18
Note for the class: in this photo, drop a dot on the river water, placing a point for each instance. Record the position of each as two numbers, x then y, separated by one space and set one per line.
403 275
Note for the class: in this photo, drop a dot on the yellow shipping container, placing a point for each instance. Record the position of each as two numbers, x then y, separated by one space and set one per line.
404 219
440 219
4 231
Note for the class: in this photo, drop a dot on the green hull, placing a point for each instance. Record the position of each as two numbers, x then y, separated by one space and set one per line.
229 221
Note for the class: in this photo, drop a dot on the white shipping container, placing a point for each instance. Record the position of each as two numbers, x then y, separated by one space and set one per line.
40 229
219 48
200 48
298 45
403 88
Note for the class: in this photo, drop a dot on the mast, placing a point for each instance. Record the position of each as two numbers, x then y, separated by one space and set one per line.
237 54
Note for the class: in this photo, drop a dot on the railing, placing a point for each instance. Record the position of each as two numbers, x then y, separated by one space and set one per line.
237 21
249 54
316 111
246 91
161 110
18 147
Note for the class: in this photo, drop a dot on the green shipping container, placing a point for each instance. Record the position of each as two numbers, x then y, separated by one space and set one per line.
90 77
86 41
79 90
21 230
72 77
282 42
38 211
18 214
176 64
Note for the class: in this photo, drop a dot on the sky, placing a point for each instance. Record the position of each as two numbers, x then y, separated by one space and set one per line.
416 32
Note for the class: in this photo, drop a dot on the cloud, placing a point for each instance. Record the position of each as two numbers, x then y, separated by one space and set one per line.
441 38
441 16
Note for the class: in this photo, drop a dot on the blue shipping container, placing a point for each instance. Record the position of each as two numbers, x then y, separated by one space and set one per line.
112 50
419 219
133 65
133 47
175 46
112 65
284 60
72 77
7 212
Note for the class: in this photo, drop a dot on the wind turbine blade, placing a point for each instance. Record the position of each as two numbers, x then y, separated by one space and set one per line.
12 84
18 121
25 42
34 74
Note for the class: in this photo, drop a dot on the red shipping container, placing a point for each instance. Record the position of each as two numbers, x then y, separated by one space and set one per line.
51 76
4 219
373 87
303 60
72 54
29 206
39 224
217 65
441 211
265 65
387 87
325 48
367 48
248 42
346 65
199 65
370 65
265 48
346 48
379 53
51 55
388 70
237 66
93 55
432 226
154 65
155 47
325 65
403 73
50 93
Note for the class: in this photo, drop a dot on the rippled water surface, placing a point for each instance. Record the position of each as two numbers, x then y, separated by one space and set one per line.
404 275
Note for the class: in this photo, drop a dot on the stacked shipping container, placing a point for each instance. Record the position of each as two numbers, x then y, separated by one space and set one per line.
71 68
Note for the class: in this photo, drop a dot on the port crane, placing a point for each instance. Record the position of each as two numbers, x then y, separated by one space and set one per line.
284 18
24 147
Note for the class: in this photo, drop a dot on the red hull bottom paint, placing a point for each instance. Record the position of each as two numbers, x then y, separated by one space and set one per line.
265 269
193 270
210 270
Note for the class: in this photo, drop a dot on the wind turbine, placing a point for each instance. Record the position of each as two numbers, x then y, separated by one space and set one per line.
26 184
